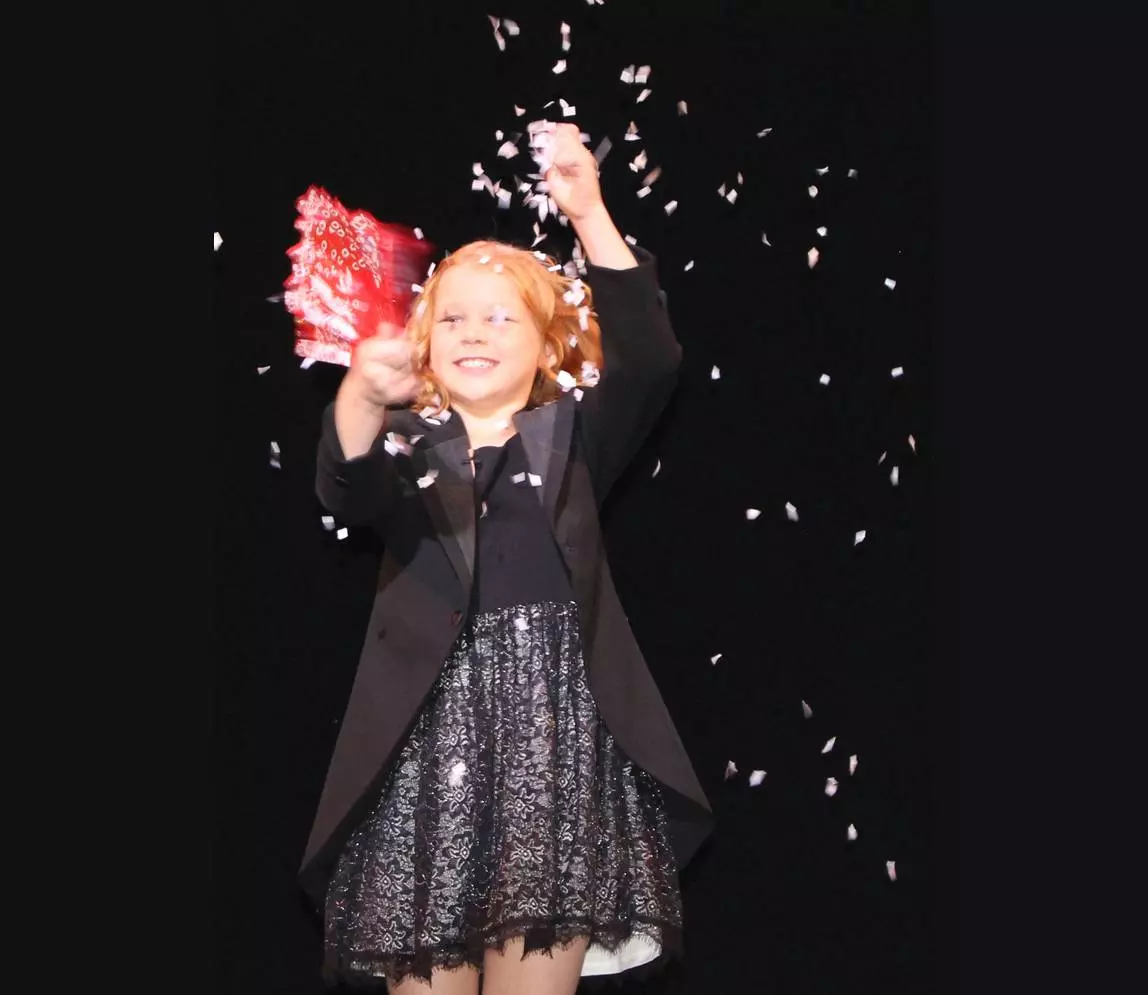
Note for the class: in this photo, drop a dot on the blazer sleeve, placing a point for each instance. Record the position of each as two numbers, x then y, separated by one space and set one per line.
640 361
359 491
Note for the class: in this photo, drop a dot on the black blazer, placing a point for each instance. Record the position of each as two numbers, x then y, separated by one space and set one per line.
579 448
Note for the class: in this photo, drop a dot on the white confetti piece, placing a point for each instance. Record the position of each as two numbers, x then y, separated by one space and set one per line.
643 95
457 773
578 394
824 379
518 478
891 869
484 509
568 110
853 763
829 744
756 778
715 374
218 241
881 459
912 443
859 537
642 75
565 31
275 456
897 371
559 67
519 111
851 174
628 74
851 832
823 231
812 191
306 362
507 150
535 480
262 369
721 190
740 180
643 192
630 240
812 256
428 479
765 240
566 380
731 196
823 170
716 657
831 786
521 624
498 135
752 514
602 150
639 161
671 207
764 132
730 770
890 282
419 233
652 176
689 266
342 533
682 109
894 476
632 133
805 709
504 199
583 322
790 512
511 27
417 288
396 444
328 522
657 469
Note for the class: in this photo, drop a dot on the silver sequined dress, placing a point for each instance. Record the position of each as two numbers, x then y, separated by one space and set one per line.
510 810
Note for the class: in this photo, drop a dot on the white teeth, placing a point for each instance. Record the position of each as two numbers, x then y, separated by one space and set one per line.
477 363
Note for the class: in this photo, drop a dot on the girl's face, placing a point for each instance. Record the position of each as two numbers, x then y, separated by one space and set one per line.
484 345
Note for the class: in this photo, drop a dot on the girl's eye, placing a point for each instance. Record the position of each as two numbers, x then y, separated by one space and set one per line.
449 319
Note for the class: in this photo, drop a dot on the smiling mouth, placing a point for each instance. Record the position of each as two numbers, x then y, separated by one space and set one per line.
476 363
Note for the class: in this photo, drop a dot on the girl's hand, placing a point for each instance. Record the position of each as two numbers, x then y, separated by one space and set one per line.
573 177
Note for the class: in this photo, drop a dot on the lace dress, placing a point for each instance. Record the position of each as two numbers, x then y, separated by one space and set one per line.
510 810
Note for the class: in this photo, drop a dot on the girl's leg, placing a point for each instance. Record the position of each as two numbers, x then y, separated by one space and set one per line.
553 972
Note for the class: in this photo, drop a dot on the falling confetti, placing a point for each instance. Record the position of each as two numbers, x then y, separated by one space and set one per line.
882 457
765 240
511 27
790 512
831 786
262 369
852 173
218 241
912 443
829 744
730 770
535 480
643 95
853 763
756 778
812 256
805 709
891 869
751 514
824 379
682 109
521 624
897 371
823 231
419 234
519 111
812 191
851 832
689 266
823 170
716 657
559 67
671 207
275 456
657 470
428 479
731 196
715 373
306 362
890 282
632 133
894 476
342 533
642 75
764 132
859 537
518 478
328 522
457 773
566 380
565 30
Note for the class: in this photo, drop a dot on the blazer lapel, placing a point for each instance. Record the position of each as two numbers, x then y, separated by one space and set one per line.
450 497
546 432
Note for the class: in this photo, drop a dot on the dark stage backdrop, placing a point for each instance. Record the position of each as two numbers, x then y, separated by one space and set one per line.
822 623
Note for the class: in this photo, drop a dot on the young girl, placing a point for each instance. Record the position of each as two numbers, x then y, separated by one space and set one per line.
507 779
